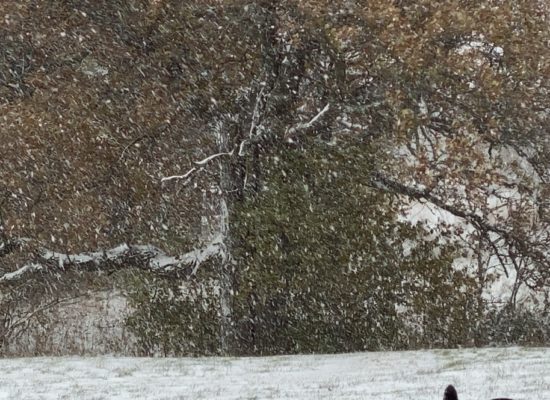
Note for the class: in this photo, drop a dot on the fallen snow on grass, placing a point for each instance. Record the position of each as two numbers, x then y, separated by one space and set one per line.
520 373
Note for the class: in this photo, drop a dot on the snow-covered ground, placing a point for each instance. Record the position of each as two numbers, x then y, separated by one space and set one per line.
520 373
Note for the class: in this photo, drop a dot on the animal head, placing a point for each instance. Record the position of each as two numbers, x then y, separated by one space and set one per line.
450 393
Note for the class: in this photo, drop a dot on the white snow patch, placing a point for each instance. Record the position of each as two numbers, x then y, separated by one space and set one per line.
519 373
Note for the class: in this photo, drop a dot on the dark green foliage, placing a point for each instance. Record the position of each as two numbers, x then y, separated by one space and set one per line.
516 326
100 100
321 265
173 316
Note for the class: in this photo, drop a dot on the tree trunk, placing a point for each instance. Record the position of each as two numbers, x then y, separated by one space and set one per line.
225 262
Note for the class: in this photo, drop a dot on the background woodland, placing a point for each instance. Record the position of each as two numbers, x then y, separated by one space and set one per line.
238 177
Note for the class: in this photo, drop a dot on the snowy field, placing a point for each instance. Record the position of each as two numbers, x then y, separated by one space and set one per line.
520 373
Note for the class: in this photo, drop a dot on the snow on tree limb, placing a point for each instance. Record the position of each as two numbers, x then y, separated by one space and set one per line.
144 256
310 123
77 259
350 125
186 175
241 151
210 158
194 258
201 163
17 274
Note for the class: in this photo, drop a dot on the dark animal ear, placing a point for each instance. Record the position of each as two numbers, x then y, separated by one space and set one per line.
450 393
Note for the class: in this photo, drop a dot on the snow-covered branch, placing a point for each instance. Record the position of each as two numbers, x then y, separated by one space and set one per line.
201 163
143 256
306 125
194 258
210 158
186 175
241 150
17 274
351 125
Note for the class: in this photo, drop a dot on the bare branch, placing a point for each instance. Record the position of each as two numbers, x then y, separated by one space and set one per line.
512 238
133 142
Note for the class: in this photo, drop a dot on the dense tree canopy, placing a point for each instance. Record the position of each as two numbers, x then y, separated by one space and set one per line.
278 176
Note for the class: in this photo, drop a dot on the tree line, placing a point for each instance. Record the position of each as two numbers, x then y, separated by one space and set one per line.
278 176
